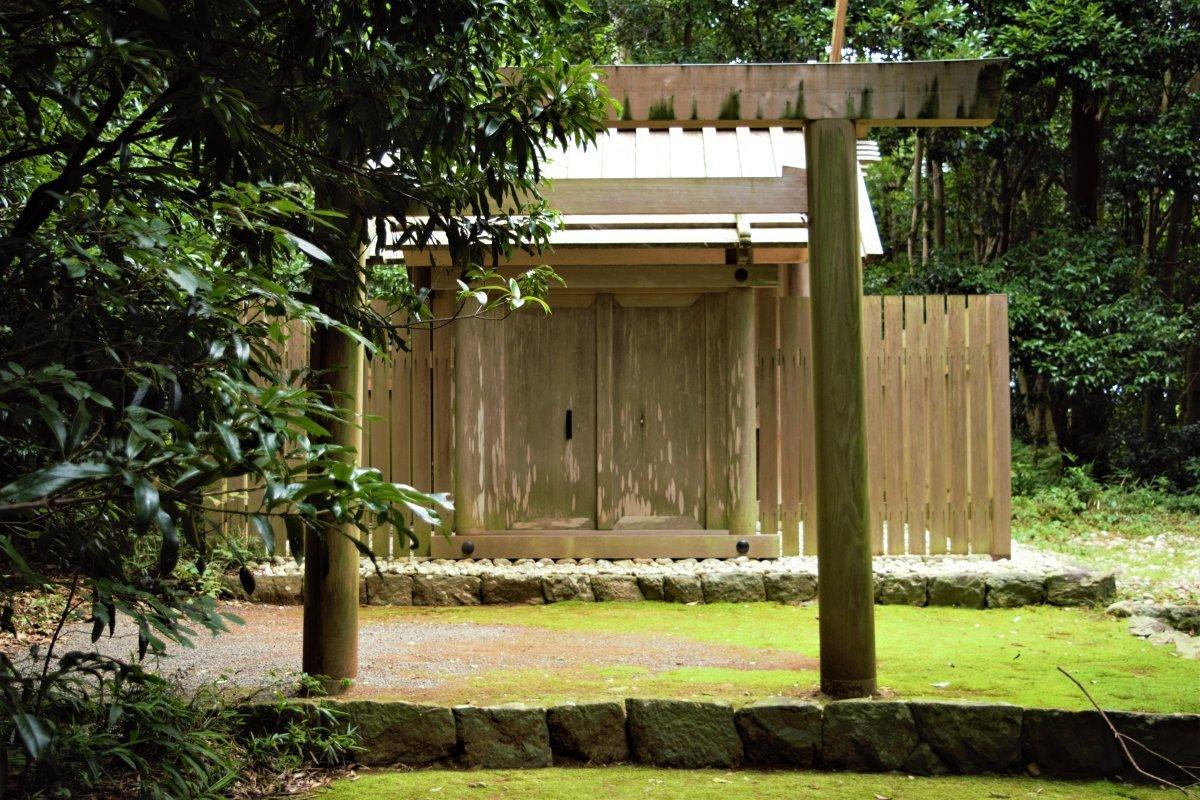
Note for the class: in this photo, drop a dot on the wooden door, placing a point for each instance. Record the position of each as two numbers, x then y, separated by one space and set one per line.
549 475
657 397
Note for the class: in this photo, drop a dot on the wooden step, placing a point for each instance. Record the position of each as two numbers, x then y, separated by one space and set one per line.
603 544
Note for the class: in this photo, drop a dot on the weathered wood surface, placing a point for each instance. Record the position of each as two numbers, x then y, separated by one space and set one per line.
950 389
606 544
549 465
767 412
658 434
922 459
847 637
677 195
740 404
930 93
623 278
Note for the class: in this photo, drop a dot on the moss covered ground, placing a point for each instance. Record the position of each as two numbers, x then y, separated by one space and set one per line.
645 782
999 655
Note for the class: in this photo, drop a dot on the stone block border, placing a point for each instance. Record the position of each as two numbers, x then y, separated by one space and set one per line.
915 737
426 584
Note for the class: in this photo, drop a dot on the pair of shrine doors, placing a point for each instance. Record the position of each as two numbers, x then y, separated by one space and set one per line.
611 413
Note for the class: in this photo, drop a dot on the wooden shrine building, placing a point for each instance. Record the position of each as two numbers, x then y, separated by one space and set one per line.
666 407
624 424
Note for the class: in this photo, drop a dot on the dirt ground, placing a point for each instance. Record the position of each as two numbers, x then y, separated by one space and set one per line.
421 655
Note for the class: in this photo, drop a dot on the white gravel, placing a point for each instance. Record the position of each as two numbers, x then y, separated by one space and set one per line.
1024 559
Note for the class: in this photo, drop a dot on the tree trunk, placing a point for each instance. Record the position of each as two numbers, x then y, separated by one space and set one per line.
1084 147
914 224
937 186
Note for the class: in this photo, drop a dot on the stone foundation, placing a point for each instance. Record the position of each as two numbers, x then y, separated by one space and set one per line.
917 737
963 583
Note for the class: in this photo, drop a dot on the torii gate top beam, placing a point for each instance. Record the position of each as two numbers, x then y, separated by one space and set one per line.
894 94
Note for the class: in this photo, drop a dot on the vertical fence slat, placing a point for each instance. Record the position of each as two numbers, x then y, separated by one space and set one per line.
1000 444
956 356
808 443
793 321
939 449
893 428
442 307
978 440
916 391
766 304
421 437
873 364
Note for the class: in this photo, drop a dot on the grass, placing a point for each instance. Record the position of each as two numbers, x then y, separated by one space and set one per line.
998 655
646 782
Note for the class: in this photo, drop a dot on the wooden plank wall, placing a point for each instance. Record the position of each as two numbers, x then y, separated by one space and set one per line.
937 416
938 434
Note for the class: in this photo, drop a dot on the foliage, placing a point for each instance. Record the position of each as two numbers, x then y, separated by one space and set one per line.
110 727
179 184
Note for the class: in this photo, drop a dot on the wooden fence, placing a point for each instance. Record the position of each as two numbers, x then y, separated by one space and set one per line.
938 436
937 419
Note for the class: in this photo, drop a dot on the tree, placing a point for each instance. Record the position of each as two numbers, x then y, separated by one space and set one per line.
182 180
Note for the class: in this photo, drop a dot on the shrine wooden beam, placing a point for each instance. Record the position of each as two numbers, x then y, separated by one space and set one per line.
918 93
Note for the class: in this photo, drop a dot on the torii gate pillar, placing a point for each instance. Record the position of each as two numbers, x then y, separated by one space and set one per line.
845 590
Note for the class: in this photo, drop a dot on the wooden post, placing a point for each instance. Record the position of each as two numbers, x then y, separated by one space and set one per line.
743 482
331 559
469 430
846 591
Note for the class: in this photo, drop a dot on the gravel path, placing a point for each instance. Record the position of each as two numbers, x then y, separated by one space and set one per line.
419 653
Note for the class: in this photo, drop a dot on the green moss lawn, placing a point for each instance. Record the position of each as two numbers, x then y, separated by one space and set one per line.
645 782
1000 655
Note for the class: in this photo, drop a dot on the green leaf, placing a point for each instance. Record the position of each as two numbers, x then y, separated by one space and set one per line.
145 502
309 248
246 577
231 441
47 481
55 422
295 535
168 554
263 529
153 8
187 280
32 734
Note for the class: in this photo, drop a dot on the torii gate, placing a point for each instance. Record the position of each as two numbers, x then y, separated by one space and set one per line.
834 103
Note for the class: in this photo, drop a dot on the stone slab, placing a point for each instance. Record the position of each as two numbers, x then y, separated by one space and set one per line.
565 587
1015 589
503 737
868 735
685 734
733 587
521 589
446 590
780 732
588 733
387 590
790 587
616 588
965 589
401 733
971 738
682 589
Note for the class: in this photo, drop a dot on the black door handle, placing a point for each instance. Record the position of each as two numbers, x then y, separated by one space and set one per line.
567 425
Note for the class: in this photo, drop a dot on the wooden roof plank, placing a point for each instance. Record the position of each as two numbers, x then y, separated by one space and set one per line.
916 93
